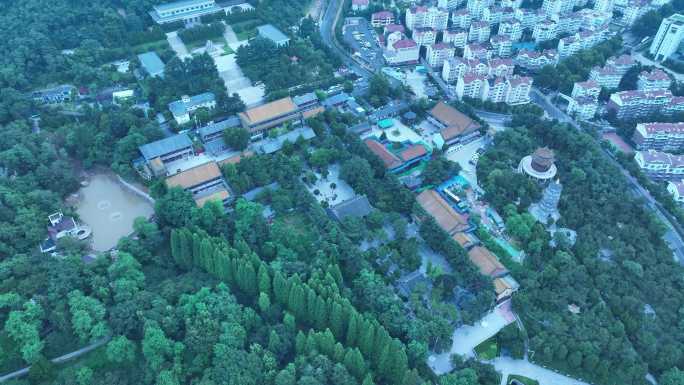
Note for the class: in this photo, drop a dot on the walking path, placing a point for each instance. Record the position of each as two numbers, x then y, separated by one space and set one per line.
136 190
59 360
508 366
177 45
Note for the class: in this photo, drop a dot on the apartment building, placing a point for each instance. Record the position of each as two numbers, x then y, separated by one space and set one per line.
476 8
382 18
403 52
587 88
660 165
622 63
438 53
545 30
654 80
479 32
424 17
668 38
659 136
499 67
456 36
424 36
461 19
639 104
473 86
519 90
583 107
607 76
552 7
502 46
535 60
498 89
476 51
511 28
453 69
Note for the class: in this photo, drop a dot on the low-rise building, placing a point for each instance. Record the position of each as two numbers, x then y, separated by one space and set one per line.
187 105
660 165
269 32
152 64
397 158
187 11
444 215
259 120
55 95
486 262
382 18
205 182
438 53
62 226
659 136
158 154
654 80
505 287
308 104
454 126
403 52
212 134
357 207
583 107
586 88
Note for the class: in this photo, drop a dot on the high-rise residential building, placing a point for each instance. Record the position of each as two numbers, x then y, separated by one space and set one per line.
668 37
545 30
456 36
654 80
604 5
660 165
552 7
479 32
587 88
454 68
424 17
438 53
473 86
639 104
512 28
501 45
461 19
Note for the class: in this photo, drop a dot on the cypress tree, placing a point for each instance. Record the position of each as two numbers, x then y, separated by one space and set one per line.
300 343
326 342
366 338
354 362
186 248
250 279
281 288
398 362
384 364
337 320
368 380
381 339
196 249
338 353
264 279
176 246
311 298
320 313
352 329
206 254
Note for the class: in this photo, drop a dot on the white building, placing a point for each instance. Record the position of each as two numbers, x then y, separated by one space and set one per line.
476 7
535 60
660 165
568 24
498 90
187 11
182 109
382 18
604 5
654 80
438 53
424 17
501 45
360 5
512 28
607 77
453 69
403 52
582 107
476 51
424 36
668 37
587 88
449 4
479 32
461 19
622 63
472 86
553 7
499 67
676 188
455 36
634 10
519 91
545 30
493 15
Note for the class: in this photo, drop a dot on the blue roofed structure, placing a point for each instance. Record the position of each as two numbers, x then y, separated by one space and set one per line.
188 11
181 109
214 130
273 34
152 64
271 145
166 146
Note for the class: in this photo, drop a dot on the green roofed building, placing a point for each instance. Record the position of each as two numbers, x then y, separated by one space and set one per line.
187 11
386 123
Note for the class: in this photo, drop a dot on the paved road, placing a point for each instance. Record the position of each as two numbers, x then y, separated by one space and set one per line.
507 366
333 11
646 61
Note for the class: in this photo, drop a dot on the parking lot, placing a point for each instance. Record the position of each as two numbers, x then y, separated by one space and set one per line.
464 155
363 40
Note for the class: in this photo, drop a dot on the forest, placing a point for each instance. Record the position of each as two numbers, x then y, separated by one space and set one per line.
620 273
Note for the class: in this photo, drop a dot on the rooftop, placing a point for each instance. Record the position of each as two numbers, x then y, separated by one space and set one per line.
165 146
178 4
307 98
269 111
456 122
356 207
152 63
388 159
486 262
181 107
271 145
215 127
272 33
653 156
220 195
195 176
446 217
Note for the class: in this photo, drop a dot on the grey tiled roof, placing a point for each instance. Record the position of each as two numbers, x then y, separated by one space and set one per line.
165 146
355 207
213 128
